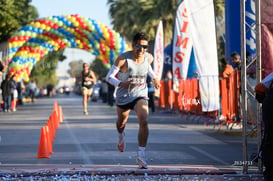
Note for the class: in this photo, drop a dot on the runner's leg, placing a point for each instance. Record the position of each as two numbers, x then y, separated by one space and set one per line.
142 111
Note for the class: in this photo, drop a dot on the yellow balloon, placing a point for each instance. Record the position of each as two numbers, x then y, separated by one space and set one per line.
21 53
43 26
14 44
80 45
74 21
100 57
107 51
106 36
37 24
47 28
21 43
108 66
72 18
26 79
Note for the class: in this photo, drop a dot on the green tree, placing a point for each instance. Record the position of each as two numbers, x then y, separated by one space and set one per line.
44 72
99 68
220 19
132 16
75 68
129 16
13 15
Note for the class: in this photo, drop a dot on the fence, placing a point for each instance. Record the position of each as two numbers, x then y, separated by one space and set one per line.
187 99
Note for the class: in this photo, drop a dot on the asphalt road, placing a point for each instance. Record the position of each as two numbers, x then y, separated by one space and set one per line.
176 143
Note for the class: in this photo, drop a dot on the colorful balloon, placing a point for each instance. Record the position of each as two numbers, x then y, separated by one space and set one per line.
31 42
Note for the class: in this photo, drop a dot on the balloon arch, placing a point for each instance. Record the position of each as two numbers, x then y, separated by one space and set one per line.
30 43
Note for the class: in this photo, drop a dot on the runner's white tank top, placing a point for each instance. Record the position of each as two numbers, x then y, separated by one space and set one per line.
137 73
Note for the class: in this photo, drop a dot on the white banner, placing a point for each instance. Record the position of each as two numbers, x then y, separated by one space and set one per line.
182 43
195 27
205 50
159 51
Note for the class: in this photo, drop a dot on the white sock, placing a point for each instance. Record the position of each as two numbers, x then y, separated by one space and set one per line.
141 151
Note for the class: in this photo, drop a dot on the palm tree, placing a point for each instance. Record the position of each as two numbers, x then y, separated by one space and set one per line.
156 10
132 16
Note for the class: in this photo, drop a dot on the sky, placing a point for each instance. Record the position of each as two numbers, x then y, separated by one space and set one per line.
94 9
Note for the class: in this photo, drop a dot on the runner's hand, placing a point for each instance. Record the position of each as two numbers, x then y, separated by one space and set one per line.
157 83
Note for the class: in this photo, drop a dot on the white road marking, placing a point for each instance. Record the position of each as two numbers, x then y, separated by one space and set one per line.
209 155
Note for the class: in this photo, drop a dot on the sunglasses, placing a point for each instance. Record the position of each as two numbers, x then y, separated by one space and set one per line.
141 46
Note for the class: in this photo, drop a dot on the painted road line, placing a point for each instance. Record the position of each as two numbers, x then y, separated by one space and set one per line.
209 155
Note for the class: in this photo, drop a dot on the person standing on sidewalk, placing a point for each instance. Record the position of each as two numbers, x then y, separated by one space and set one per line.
14 94
32 88
236 61
6 87
264 95
132 68
110 95
88 80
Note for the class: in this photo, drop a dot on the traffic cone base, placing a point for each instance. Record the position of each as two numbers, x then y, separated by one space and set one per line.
43 151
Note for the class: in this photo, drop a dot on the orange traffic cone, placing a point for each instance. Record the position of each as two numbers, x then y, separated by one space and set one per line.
55 106
60 114
56 119
48 137
50 130
43 145
52 126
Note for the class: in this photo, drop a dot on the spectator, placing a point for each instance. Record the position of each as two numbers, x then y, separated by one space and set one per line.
104 90
20 88
110 95
50 89
6 87
236 60
14 94
1 67
32 88
264 95
227 69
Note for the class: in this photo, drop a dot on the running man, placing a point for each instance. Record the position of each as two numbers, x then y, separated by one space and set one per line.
132 68
88 80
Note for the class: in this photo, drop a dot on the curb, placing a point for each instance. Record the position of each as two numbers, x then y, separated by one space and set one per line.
51 170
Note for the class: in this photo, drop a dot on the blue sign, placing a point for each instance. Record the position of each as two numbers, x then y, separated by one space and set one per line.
250 28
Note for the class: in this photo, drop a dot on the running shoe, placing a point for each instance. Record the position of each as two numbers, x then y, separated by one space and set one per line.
141 162
85 113
121 143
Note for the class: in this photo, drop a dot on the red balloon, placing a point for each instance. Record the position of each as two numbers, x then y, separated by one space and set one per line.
102 47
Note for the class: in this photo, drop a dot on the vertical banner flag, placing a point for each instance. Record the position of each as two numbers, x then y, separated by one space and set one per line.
250 28
195 31
167 66
232 27
159 51
182 43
